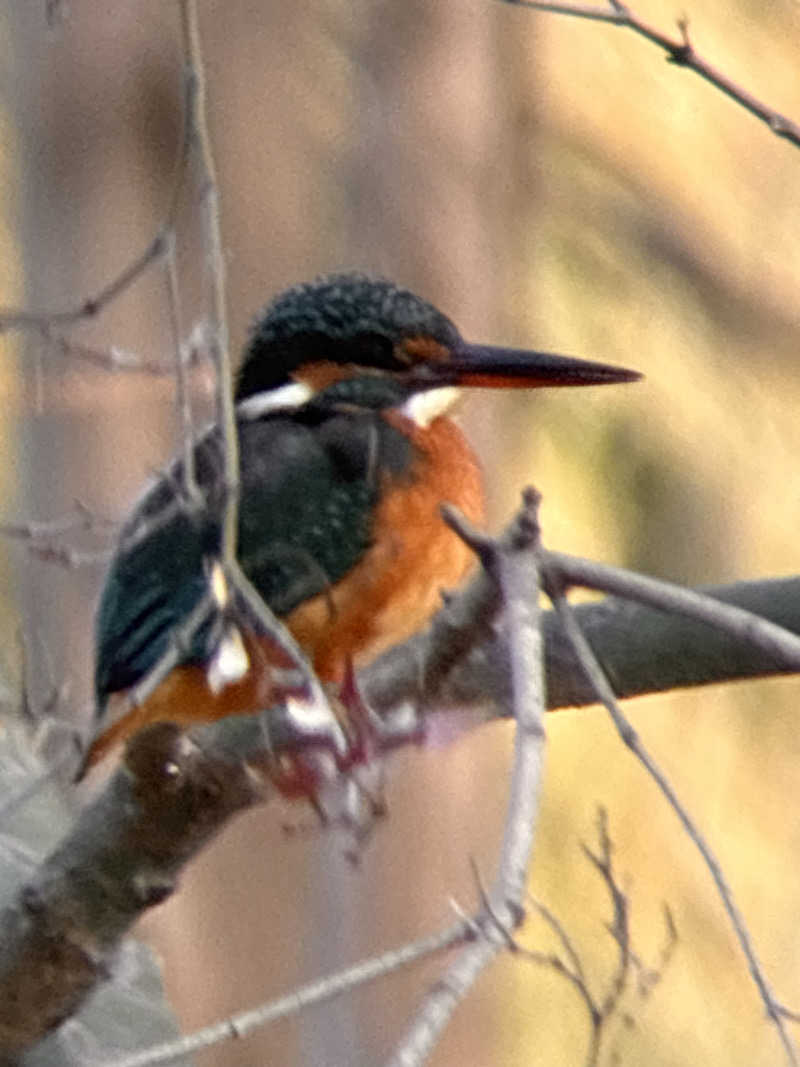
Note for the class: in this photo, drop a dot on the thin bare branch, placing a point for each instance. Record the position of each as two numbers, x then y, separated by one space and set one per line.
183 395
80 518
266 621
620 927
680 51
92 306
747 627
199 140
113 359
462 659
325 989
571 968
47 540
632 741
515 562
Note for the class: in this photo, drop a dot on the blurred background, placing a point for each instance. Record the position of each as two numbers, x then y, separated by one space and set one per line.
545 181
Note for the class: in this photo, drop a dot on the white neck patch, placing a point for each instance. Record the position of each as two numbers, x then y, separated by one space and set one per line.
284 398
423 408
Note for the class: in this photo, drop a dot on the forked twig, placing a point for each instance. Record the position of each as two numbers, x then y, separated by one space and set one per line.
569 965
554 587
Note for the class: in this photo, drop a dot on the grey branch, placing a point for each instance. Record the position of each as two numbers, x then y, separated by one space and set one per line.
679 50
643 650
594 672
176 790
515 561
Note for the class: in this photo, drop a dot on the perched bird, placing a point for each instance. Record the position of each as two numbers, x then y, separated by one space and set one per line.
346 455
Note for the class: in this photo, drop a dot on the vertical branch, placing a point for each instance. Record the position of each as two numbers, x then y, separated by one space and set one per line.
519 579
183 392
200 141
514 561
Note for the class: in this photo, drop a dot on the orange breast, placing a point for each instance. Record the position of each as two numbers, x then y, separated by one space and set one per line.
396 586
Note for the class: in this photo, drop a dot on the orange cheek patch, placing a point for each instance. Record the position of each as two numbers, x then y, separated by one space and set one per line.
319 376
425 350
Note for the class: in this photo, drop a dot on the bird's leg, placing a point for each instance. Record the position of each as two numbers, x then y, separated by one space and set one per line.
371 735
344 782
363 758
365 727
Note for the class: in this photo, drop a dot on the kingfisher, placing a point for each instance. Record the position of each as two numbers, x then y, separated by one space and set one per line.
346 455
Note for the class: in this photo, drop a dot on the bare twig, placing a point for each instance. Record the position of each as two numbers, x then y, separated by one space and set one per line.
649 976
239 593
571 968
749 628
680 51
515 562
254 605
325 989
113 359
46 540
183 395
462 660
92 306
632 741
619 928
199 141
80 518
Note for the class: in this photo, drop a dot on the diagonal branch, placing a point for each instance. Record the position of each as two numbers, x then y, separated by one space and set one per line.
176 790
643 644
319 992
680 51
173 793
554 586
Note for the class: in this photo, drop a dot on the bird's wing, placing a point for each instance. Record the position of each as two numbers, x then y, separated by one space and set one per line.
309 487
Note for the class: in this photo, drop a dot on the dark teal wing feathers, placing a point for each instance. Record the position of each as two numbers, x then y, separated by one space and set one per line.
309 489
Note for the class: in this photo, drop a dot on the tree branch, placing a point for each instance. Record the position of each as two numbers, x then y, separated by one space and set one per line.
325 989
515 562
643 649
172 794
680 51
594 672
175 790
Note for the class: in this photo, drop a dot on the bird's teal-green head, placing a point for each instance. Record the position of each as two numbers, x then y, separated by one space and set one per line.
376 344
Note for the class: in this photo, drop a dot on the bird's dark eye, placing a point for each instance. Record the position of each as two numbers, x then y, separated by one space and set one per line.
366 349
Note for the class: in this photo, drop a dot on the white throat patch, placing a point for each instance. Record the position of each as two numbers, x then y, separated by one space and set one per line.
423 408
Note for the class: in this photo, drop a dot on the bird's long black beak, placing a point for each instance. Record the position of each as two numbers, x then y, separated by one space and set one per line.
489 367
